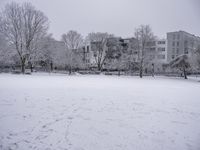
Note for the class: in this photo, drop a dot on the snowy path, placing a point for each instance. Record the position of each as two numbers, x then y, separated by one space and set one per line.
59 112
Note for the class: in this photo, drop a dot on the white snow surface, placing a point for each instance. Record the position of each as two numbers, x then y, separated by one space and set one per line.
60 112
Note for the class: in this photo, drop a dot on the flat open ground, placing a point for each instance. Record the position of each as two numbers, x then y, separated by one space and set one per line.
60 112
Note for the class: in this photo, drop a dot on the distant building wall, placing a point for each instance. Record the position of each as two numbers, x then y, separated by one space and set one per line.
156 55
179 43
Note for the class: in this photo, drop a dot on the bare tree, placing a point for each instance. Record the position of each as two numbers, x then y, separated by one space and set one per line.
116 54
73 41
131 54
23 25
143 35
98 46
46 52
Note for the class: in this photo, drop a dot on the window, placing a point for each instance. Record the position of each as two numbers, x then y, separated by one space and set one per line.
178 36
172 56
177 43
173 43
173 50
161 42
185 43
177 50
192 43
88 49
174 36
161 49
152 48
161 56
84 49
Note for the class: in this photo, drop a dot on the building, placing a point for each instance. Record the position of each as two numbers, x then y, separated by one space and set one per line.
155 52
85 53
156 55
113 47
181 42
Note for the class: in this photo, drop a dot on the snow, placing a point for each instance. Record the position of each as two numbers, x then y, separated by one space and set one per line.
60 112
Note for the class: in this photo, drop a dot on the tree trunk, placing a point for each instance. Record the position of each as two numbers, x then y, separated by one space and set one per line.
141 74
31 67
152 71
23 67
141 69
23 61
99 67
51 65
119 73
70 70
184 73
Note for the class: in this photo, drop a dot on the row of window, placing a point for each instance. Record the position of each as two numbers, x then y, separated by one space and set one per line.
177 52
160 49
152 49
161 42
173 50
175 43
189 43
186 43
159 56
86 49
176 36
87 60
153 43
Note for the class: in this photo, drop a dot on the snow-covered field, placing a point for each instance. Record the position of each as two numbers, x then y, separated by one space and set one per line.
60 112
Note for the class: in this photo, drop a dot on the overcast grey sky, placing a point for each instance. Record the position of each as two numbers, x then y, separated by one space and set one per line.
119 17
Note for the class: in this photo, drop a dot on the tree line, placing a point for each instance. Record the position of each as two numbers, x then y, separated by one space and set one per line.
25 42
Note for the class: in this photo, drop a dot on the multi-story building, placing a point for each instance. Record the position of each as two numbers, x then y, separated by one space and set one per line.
156 55
161 48
85 53
155 51
181 42
162 52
